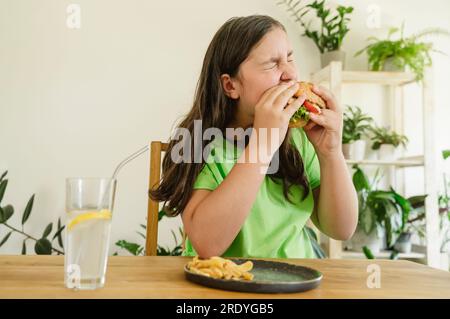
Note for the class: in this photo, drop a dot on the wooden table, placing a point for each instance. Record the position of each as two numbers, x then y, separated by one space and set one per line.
163 277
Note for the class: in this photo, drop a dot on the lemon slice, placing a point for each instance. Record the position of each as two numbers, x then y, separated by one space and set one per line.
102 214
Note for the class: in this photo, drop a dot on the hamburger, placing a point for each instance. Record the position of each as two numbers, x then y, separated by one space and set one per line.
312 104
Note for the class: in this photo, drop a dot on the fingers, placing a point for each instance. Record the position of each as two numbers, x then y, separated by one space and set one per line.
324 119
271 94
283 97
309 126
327 96
294 106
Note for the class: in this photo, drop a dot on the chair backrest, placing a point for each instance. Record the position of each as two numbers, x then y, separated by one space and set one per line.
151 244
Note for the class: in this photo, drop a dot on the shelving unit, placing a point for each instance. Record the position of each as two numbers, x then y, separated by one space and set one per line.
334 78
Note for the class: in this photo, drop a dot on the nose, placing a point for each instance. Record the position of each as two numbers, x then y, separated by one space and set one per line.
288 73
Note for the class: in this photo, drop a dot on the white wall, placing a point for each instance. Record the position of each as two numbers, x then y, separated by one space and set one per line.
75 102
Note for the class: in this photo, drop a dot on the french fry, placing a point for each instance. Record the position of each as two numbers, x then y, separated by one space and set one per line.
218 267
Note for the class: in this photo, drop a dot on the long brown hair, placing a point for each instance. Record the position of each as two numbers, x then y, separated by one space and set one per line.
230 46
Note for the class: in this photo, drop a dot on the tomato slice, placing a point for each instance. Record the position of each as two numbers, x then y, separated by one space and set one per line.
311 108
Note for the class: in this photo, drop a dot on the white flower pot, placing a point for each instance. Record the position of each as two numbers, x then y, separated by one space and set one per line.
361 239
390 66
358 151
337 55
355 150
403 243
387 152
346 150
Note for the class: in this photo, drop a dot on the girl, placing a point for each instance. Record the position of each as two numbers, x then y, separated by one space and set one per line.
228 207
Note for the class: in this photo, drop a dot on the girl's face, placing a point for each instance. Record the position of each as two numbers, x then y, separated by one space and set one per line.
269 63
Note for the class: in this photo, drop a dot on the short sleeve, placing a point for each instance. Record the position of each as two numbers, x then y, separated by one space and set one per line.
309 157
207 179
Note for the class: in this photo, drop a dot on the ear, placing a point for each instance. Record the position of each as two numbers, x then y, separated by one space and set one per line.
229 86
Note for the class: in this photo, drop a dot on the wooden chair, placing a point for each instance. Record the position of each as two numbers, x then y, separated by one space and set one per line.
156 148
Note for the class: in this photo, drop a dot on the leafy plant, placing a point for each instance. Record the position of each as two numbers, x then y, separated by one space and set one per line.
43 245
369 255
333 26
405 52
418 218
139 250
380 208
382 135
318 251
356 124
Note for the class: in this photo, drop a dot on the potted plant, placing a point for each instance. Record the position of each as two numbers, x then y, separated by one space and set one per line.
328 37
356 125
386 142
369 232
378 210
404 53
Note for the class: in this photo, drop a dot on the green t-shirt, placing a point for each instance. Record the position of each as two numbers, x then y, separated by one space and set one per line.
274 227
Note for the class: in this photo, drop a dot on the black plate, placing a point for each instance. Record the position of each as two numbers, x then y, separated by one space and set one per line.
269 277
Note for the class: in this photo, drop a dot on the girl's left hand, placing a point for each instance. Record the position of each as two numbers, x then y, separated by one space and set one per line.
324 130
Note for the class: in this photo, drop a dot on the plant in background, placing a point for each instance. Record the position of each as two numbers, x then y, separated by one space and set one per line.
356 124
333 27
380 208
382 135
406 52
139 250
43 245
418 217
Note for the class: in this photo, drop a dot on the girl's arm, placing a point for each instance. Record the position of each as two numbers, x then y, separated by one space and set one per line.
212 220
336 203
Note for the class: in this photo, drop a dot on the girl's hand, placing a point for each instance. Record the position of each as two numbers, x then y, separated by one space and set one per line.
271 112
325 130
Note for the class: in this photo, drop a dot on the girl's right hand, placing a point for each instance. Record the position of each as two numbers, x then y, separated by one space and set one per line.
271 112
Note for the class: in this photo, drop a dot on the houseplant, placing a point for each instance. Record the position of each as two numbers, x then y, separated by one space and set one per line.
386 142
404 53
378 210
42 245
139 250
328 37
356 125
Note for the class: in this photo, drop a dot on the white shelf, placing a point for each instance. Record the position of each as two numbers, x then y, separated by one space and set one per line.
381 255
401 162
367 77
335 78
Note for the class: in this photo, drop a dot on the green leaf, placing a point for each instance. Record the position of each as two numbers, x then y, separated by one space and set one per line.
319 252
58 234
367 220
27 212
132 248
5 238
360 180
3 175
368 253
3 185
446 154
161 214
24 247
47 230
394 255
43 247
6 213
141 234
